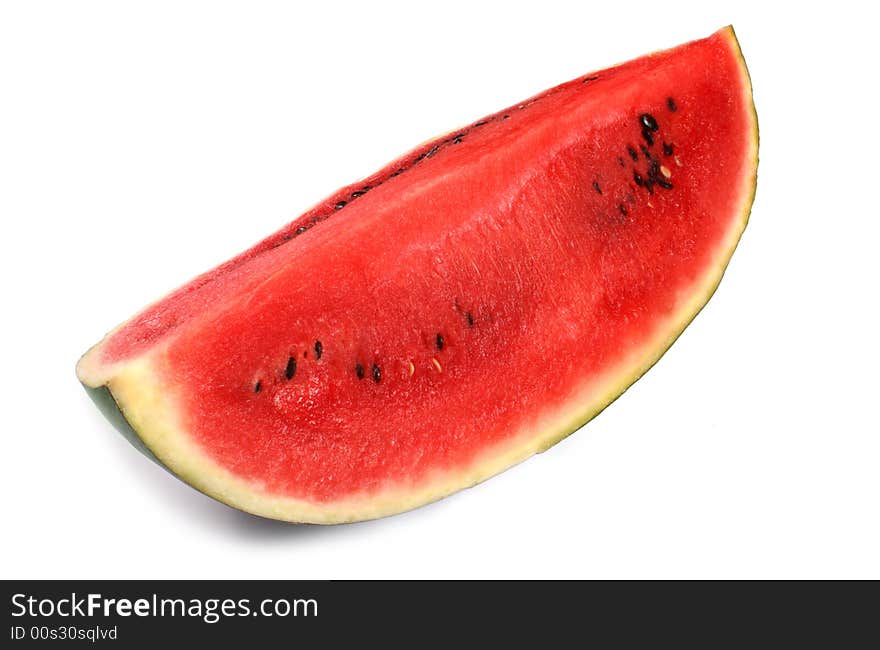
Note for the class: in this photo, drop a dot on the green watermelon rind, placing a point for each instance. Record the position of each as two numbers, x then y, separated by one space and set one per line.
106 403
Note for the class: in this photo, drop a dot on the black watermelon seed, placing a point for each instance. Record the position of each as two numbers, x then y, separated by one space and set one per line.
340 205
358 193
646 134
301 230
359 371
648 121
258 386
287 237
290 371
439 341
456 139
470 318
504 117
597 187
430 152
319 349
665 184
623 209
398 172
670 104
481 123
637 177
633 154
667 149
377 374
586 79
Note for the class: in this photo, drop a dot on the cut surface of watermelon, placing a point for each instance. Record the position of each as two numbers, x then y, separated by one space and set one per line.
465 307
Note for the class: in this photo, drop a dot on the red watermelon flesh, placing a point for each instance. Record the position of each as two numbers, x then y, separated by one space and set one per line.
465 307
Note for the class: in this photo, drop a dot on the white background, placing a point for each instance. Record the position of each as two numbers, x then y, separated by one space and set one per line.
142 143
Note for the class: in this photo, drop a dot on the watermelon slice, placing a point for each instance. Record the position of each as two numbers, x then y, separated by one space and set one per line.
467 306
